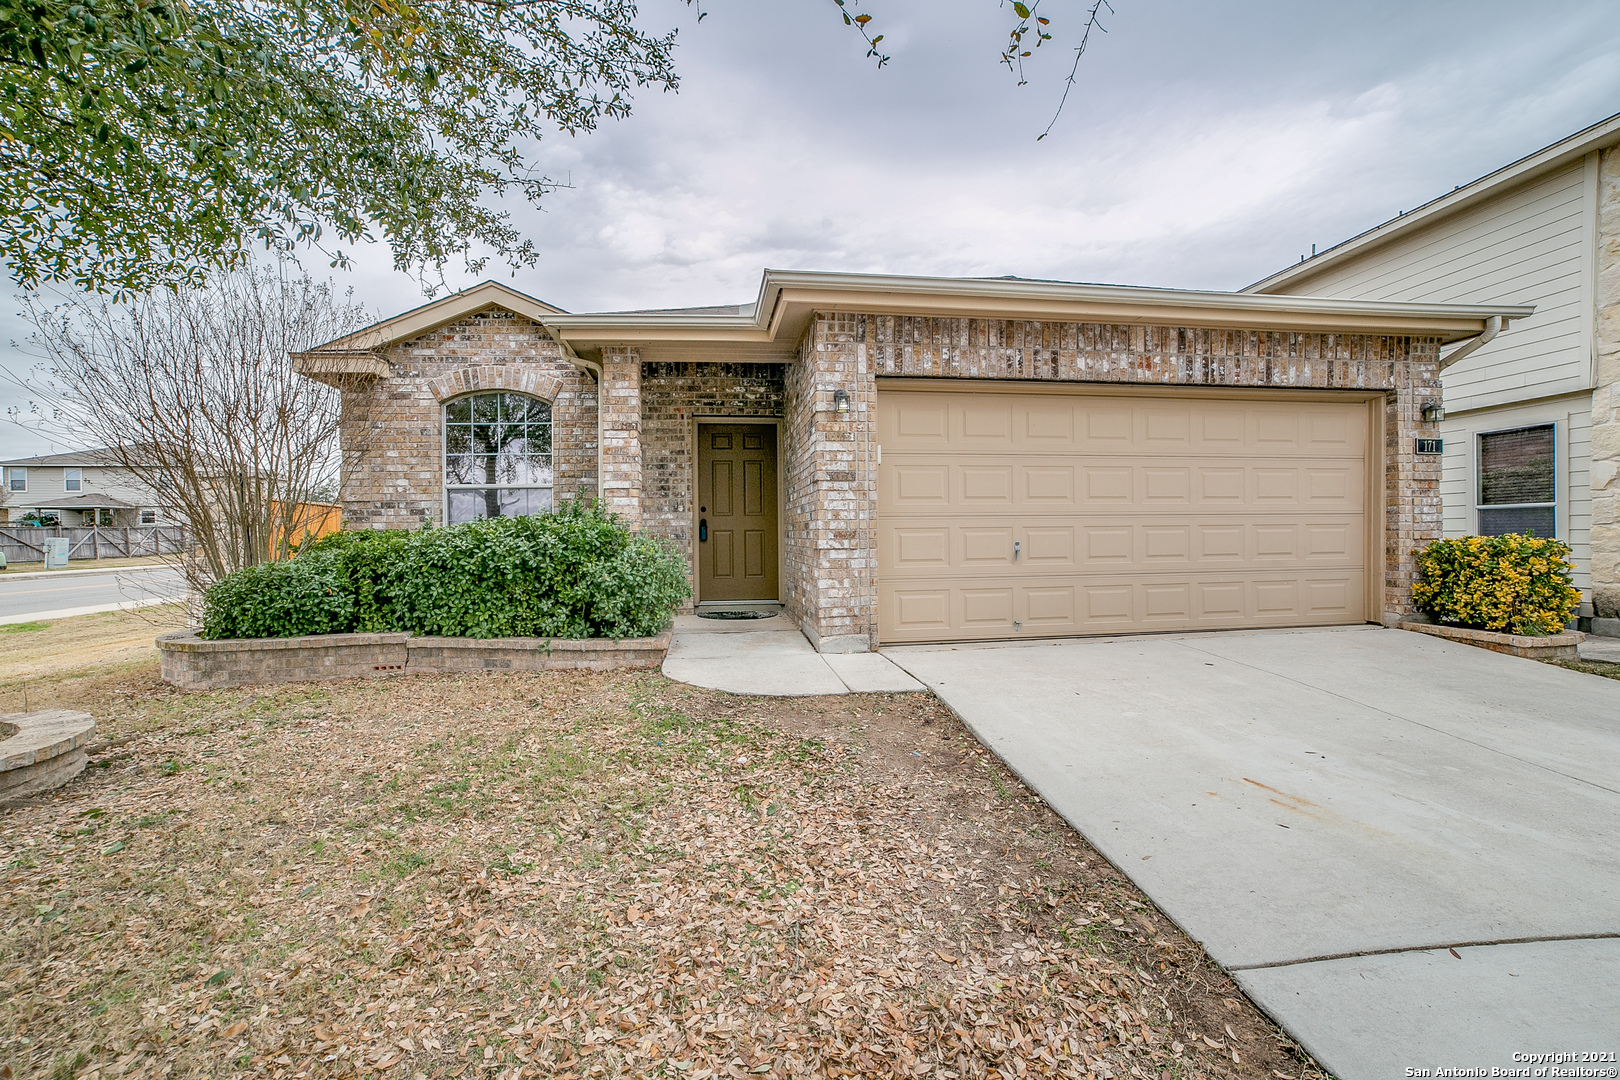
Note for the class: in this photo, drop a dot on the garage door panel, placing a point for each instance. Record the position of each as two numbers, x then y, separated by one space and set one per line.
981 546
1127 514
918 486
922 547
1049 547
982 484
987 423
987 608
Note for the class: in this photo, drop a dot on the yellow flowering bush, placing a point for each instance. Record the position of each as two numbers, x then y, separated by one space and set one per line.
1518 584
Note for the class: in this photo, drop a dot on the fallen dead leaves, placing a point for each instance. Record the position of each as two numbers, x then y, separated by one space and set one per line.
577 875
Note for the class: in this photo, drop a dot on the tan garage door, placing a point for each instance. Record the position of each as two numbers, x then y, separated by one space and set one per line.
1006 515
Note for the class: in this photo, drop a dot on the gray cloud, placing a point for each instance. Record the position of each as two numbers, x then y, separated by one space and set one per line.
1204 145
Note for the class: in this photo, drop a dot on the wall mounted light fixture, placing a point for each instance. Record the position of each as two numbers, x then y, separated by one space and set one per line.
1433 412
840 401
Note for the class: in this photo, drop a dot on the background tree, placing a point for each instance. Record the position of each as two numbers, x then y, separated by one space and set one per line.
192 391
143 142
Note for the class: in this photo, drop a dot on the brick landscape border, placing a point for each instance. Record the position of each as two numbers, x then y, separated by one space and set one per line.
192 663
1563 646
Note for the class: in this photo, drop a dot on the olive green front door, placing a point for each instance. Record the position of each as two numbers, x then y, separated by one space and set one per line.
736 512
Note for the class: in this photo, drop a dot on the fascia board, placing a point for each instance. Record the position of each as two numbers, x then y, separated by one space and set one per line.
1122 304
1564 152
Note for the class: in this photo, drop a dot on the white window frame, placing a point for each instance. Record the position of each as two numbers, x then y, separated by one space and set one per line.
146 510
72 479
15 473
1557 505
444 452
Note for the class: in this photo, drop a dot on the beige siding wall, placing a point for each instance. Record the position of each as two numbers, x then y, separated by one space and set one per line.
48 484
1573 418
1528 246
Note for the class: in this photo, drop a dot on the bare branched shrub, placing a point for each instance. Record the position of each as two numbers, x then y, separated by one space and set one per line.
194 393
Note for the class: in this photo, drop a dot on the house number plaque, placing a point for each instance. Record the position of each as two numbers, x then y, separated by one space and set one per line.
1431 446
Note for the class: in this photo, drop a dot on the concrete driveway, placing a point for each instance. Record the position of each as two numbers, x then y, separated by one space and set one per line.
1405 849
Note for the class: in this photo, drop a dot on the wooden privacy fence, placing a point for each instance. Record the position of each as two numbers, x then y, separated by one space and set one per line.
26 543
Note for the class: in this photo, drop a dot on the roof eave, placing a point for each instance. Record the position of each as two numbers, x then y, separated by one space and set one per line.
788 298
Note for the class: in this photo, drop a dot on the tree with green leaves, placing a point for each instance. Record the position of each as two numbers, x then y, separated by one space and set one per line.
145 142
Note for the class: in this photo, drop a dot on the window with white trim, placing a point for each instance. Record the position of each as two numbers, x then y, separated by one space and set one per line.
497 456
72 479
148 517
17 478
1518 481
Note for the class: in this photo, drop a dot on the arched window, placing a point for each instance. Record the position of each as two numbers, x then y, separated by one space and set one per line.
497 456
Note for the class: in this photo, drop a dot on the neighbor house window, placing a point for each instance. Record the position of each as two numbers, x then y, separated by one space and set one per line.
1518 490
17 479
148 517
497 456
73 479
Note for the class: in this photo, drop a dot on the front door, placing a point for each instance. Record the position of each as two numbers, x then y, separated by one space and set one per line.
736 512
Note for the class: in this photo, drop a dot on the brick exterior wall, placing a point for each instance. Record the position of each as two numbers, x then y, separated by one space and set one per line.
673 396
827 461
831 570
1606 398
621 433
393 429
829 576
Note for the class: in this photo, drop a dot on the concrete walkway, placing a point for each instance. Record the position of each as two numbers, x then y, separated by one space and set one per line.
1403 848
771 657
1606 649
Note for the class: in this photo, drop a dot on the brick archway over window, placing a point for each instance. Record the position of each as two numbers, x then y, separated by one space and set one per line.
522 379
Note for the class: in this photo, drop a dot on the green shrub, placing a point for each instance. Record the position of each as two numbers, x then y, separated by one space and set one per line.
576 572
305 595
367 560
1518 584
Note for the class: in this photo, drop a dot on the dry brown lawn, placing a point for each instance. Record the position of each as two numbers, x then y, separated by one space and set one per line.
569 876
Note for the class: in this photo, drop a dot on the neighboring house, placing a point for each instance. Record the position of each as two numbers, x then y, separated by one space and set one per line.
905 459
1532 427
85 487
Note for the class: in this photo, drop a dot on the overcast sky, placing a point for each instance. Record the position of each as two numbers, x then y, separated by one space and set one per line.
1204 146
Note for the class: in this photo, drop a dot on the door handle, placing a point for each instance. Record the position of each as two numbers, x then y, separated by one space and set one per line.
703 529
1015 550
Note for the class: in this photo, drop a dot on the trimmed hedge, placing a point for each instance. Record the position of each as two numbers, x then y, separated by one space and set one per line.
279 599
576 572
1512 583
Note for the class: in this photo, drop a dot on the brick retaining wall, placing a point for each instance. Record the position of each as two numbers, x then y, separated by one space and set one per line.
192 663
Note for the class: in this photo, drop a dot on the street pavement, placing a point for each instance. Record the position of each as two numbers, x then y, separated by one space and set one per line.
1402 847
41 596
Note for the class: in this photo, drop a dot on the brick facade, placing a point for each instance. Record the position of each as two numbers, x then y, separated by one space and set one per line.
393 429
621 433
828 460
673 397
831 576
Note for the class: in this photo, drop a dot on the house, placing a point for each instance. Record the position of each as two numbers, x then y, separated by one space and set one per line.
84 487
1532 418
910 459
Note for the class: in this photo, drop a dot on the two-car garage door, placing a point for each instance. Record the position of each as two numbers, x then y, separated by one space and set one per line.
1005 515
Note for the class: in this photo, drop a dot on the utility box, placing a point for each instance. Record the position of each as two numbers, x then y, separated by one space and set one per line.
56 552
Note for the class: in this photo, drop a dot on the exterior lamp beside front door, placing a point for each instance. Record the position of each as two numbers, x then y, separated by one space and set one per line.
840 401
1433 412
